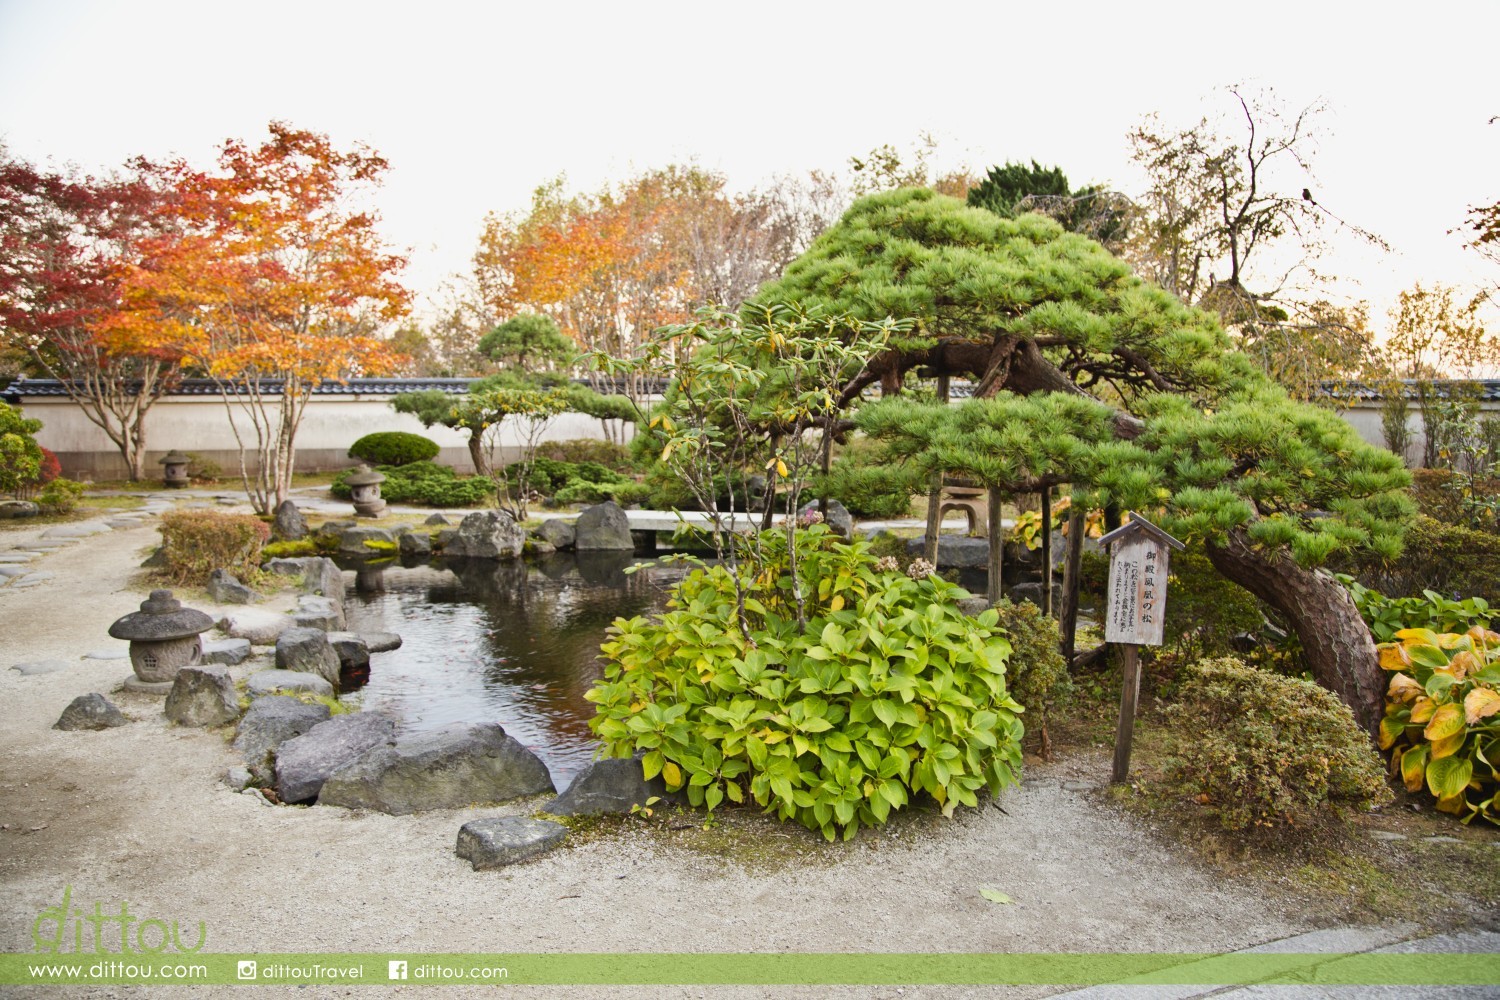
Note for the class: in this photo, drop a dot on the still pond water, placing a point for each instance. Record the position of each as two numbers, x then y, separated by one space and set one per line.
513 643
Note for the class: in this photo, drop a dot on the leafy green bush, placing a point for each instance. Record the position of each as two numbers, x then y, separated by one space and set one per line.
1387 616
197 542
1205 611
424 483
394 448
1259 749
548 476
1446 558
626 493
1442 717
60 496
890 691
1037 674
20 456
606 453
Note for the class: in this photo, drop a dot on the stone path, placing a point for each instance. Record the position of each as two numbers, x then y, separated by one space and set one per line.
23 554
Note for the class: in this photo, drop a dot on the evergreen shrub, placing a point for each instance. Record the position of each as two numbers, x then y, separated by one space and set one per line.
1259 749
394 448
424 483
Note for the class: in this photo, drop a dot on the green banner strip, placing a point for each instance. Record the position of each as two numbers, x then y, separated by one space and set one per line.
653 969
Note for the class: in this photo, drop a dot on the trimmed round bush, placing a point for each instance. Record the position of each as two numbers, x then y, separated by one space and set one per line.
1260 749
394 448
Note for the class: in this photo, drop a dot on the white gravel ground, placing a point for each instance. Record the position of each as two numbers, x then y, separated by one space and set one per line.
139 814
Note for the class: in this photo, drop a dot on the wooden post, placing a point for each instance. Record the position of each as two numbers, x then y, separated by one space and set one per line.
935 494
1047 551
1072 566
1138 559
996 588
1130 693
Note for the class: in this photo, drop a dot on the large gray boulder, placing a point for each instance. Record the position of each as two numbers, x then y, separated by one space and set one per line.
607 786
203 696
955 551
453 767
353 652
307 650
557 533
289 524
367 541
230 652
838 517
603 527
487 534
223 588
304 763
90 711
381 642
258 625
266 682
269 723
498 841
414 543
319 612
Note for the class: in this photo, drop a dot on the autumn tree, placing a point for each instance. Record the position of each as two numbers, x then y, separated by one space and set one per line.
1231 223
63 240
275 282
1085 374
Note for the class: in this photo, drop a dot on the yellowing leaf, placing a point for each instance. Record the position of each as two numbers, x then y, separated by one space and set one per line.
672 775
1414 767
1418 636
1480 703
837 604
1422 709
1390 731
995 896
1483 637
1394 656
1403 689
1448 745
781 469
1465 663
1446 721
1449 776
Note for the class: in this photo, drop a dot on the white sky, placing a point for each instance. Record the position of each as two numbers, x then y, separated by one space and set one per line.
475 104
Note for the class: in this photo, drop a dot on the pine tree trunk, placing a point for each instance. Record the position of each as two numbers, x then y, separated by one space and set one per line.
1335 640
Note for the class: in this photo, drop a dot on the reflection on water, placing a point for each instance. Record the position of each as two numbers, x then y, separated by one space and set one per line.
508 642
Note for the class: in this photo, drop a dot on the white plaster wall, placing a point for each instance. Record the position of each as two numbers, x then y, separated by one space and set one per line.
201 425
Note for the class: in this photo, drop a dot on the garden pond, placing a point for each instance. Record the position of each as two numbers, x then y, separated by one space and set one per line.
516 643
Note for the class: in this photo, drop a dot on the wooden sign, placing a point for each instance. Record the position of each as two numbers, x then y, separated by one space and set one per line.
1139 553
1137 596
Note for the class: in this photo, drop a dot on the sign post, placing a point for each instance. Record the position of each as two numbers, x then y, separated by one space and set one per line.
1139 553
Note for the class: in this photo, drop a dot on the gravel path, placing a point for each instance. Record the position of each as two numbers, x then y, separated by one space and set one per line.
139 813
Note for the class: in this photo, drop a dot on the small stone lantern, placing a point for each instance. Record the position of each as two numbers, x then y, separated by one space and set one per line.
364 488
174 475
164 638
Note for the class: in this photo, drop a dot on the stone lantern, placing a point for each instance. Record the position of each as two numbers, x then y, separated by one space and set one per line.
164 638
364 488
174 475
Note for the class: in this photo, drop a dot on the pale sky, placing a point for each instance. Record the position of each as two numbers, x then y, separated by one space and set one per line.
476 104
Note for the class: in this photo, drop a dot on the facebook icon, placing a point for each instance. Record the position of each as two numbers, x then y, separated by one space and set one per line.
396 969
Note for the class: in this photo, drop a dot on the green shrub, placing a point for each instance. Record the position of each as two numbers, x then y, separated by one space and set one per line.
1205 610
1446 558
1259 749
1387 616
1037 674
197 542
1442 717
20 456
606 453
625 493
550 476
889 692
867 490
60 496
424 483
394 448
204 470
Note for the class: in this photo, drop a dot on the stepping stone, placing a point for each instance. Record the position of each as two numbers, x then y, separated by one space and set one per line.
381 642
1441 840
83 530
123 522
1386 835
264 682
9 570
33 579
230 652
48 546
36 667
12 558
505 840
108 654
